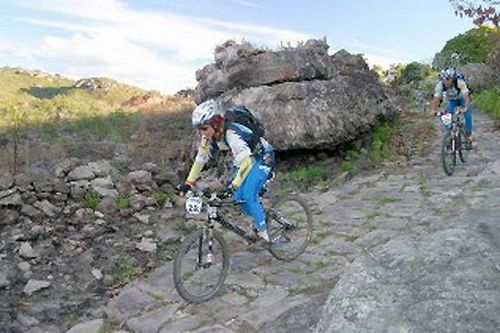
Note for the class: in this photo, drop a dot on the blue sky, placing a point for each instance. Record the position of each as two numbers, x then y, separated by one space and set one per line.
159 44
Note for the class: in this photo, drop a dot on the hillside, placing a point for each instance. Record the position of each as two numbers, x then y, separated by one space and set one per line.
45 117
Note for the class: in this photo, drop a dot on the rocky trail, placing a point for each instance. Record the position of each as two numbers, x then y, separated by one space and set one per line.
406 250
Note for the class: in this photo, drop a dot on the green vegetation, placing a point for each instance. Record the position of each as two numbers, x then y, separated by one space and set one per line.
414 72
387 200
91 200
122 202
309 175
160 196
123 274
472 46
489 101
380 138
47 117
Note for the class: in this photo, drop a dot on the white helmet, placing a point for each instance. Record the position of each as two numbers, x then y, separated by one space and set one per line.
205 112
448 73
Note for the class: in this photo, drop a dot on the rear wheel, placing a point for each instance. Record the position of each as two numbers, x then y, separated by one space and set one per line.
200 265
290 224
449 154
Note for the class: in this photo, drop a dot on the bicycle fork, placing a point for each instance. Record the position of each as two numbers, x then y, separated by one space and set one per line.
208 236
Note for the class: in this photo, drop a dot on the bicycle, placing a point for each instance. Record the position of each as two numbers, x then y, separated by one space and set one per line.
201 262
454 141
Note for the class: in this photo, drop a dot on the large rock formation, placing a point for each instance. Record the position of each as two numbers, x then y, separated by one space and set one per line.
305 98
443 280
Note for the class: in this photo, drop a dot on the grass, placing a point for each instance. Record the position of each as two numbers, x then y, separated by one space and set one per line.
387 200
309 175
50 119
160 196
122 202
123 274
91 200
489 101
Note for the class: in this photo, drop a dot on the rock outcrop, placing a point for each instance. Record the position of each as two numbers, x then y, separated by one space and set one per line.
306 98
444 280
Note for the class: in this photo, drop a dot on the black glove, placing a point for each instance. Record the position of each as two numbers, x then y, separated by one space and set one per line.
184 188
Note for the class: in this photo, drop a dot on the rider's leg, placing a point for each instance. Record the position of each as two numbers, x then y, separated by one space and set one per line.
248 192
469 125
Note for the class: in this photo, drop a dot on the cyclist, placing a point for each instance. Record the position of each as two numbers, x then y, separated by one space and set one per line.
453 86
252 166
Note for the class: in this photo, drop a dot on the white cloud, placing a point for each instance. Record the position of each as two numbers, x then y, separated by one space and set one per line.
246 3
106 38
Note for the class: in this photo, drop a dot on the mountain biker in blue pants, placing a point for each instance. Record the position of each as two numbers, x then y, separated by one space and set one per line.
253 158
457 93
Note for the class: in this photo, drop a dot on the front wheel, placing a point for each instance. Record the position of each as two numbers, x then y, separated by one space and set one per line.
449 153
462 145
200 265
290 224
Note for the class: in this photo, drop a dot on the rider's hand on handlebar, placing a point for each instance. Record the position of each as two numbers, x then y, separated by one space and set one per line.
184 188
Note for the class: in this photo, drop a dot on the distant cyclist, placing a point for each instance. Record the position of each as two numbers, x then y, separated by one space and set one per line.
456 91
253 155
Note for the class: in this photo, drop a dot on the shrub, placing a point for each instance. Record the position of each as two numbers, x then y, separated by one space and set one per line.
414 72
472 46
489 101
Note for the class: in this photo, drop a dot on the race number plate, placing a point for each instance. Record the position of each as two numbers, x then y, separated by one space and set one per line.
446 119
193 205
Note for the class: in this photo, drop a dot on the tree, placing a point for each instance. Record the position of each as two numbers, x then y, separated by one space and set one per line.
481 11
414 72
472 46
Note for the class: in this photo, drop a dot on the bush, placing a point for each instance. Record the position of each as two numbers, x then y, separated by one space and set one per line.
489 101
414 72
472 46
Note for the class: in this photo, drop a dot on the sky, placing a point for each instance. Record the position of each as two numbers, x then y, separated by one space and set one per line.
159 44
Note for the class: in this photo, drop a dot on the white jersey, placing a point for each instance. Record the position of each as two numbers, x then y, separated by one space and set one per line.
452 93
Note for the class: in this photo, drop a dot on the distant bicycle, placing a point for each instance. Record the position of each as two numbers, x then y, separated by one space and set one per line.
454 141
201 262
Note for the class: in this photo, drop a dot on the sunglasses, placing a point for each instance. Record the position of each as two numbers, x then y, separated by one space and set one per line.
204 128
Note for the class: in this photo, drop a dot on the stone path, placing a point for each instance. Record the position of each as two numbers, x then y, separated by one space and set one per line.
263 294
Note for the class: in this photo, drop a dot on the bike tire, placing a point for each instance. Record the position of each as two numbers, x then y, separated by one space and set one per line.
446 154
462 149
188 292
288 244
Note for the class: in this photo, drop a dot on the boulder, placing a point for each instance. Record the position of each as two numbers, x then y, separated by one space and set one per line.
317 114
479 75
83 172
6 182
444 280
241 66
305 98
8 216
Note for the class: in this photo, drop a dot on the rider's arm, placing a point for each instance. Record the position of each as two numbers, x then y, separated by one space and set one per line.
438 94
242 156
201 159
464 90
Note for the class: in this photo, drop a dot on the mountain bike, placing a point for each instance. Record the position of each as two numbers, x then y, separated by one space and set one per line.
454 141
201 262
